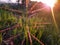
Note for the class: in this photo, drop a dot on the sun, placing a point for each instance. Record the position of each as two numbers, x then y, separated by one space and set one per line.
50 3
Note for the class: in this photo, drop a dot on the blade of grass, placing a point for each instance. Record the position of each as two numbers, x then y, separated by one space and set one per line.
1 38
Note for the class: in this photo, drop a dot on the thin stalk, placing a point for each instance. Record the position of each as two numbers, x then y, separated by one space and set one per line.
26 36
11 43
0 38
37 39
29 35
22 41
24 23
33 6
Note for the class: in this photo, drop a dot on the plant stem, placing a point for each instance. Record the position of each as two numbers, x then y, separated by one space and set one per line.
0 38
37 40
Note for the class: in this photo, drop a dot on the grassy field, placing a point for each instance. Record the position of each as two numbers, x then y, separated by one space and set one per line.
38 29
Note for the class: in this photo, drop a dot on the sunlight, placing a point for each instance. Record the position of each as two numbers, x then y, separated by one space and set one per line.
47 2
54 20
8 1
13 1
51 4
3 0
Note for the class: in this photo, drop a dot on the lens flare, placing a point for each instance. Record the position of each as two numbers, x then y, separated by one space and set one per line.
14 1
54 20
50 3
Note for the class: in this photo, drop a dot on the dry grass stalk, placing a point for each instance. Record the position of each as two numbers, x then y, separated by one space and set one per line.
37 40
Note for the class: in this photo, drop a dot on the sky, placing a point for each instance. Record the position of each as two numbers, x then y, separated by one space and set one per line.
11 1
8 1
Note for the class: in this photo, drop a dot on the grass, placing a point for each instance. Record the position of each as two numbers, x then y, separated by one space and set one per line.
35 30
6 19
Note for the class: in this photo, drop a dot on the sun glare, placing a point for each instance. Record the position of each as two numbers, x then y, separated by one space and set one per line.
14 1
50 3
